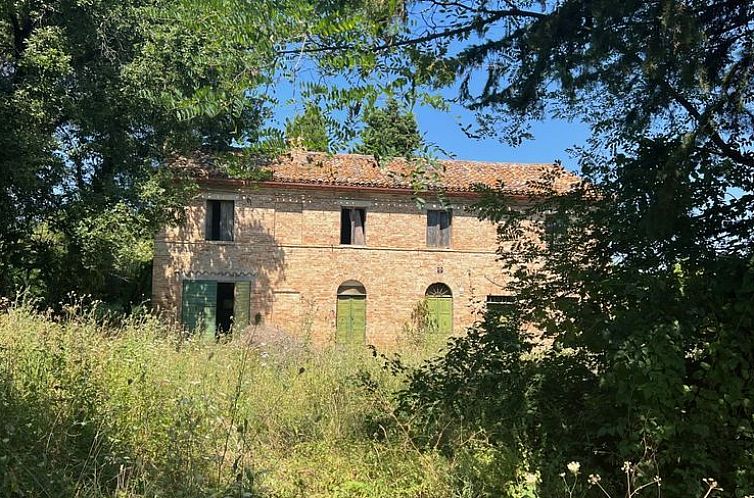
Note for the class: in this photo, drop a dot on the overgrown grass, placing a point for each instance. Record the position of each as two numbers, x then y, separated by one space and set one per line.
92 410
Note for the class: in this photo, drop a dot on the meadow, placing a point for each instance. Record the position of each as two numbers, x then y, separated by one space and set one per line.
92 408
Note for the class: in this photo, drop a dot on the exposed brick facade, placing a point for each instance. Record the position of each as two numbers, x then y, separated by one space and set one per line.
287 243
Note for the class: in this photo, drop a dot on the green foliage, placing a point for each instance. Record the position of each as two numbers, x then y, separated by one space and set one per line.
94 98
419 331
134 410
646 291
390 132
309 130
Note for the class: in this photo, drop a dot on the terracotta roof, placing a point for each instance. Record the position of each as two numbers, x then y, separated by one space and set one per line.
355 170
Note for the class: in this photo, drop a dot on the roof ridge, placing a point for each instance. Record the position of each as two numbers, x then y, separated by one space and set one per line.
371 157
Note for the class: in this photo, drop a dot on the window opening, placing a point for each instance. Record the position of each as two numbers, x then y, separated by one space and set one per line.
353 226
438 227
219 220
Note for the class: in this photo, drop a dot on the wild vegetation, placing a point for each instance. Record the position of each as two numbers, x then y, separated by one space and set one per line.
645 294
94 409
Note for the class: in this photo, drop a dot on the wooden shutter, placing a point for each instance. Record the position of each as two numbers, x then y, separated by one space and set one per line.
342 320
226 220
441 313
433 228
358 320
199 306
242 305
357 227
208 217
351 320
444 228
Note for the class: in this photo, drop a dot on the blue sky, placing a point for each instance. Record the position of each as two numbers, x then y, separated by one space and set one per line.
552 138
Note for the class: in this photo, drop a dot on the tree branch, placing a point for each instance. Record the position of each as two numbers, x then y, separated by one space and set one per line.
449 33
21 33
705 124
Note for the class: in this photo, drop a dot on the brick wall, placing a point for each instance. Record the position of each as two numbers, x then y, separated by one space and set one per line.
287 240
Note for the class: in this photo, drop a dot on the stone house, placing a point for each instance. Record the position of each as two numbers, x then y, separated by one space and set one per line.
336 248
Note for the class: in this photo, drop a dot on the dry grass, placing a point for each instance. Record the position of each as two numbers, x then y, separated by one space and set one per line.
95 410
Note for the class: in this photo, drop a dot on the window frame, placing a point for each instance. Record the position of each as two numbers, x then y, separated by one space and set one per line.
499 305
555 228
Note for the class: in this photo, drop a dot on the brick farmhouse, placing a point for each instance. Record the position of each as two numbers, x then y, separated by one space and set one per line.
337 248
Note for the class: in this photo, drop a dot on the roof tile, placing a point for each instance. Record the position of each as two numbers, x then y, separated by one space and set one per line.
415 174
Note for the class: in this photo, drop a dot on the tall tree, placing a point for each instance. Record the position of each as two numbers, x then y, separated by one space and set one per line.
309 130
94 97
389 132
649 285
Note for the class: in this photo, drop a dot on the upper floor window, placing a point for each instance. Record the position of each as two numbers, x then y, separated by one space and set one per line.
353 226
219 222
438 227
555 228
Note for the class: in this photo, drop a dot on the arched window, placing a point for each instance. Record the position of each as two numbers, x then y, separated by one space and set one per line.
351 288
351 313
440 306
438 290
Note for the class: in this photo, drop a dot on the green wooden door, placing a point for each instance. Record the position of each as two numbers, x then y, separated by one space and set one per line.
351 320
199 306
241 305
441 311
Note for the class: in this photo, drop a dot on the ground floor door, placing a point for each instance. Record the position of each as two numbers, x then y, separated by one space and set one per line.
199 306
441 313
225 306
210 307
351 320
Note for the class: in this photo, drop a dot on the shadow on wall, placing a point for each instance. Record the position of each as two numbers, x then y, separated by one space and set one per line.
254 256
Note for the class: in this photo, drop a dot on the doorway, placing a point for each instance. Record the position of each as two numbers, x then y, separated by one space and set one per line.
440 303
225 305
351 313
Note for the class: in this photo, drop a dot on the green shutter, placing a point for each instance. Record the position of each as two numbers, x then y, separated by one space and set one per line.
241 305
351 320
441 312
342 319
358 320
199 306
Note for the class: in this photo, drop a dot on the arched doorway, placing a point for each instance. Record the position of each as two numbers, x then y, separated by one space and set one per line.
351 313
440 306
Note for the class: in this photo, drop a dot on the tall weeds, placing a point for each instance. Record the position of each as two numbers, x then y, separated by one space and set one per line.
93 409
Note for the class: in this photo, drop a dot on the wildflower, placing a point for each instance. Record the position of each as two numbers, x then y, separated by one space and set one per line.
574 468
531 478
594 479
626 467
710 482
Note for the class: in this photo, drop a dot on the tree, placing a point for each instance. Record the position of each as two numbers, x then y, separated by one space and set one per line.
388 132
309 130
647 294
94 98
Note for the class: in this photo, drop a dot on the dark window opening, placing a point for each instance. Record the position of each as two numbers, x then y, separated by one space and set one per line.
219 221
555 228
352 226
438 227
500 308
225 306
